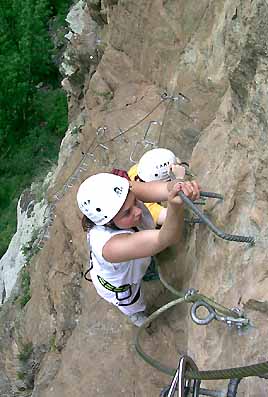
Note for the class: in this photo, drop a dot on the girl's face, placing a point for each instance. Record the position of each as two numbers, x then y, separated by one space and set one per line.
129 215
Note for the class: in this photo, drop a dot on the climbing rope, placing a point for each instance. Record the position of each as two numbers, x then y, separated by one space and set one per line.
232 317
228 373
207 221
88 157
216 311
94 145
229 316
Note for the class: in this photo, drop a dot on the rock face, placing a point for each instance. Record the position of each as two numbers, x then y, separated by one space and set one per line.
31 220
216 55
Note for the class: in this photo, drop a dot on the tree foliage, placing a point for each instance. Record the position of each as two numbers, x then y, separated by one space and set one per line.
33 110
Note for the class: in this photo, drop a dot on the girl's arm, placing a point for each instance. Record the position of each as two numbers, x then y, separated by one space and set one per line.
156 191
124 247
150 191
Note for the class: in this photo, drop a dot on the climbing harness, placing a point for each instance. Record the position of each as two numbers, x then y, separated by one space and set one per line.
151 272
119 291
116 290
122 293
187 369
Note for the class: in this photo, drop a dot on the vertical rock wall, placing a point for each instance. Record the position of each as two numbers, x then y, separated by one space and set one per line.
215 53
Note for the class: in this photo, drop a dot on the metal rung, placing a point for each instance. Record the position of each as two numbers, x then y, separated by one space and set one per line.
103 146
145 138
133 155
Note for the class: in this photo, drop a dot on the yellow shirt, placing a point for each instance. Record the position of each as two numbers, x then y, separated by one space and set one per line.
154 208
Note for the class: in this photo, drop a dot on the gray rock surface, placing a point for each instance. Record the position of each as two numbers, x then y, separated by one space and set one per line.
31 219
215 53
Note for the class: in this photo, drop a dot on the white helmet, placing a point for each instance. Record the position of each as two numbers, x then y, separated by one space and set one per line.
101 196
155 164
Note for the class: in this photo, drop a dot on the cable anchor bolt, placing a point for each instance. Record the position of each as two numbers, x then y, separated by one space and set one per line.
202 320
189 293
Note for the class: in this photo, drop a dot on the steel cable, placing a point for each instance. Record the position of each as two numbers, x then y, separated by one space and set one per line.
215 229
227 373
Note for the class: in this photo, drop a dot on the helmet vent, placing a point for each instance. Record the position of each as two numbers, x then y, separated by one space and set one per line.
118 190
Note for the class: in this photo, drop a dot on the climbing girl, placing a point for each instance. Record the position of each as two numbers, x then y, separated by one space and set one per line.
154 165
121 234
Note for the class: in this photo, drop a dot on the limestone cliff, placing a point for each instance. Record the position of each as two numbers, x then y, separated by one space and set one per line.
122 55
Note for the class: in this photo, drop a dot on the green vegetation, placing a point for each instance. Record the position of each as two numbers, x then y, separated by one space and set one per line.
33 109
105 94
26 352
53 344
20 375
30 249
25 287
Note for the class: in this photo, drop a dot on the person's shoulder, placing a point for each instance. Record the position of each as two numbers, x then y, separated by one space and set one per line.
99 235
98 231
104 231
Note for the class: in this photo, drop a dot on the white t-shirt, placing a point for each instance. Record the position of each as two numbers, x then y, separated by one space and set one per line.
130 272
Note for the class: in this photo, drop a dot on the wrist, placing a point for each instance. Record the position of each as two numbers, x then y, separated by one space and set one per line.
175 206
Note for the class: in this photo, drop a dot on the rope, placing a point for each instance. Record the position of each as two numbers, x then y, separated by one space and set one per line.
207 221
134 125
211 195
258 369
215 229
82 166
83 163
192 298
228 373
202 300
